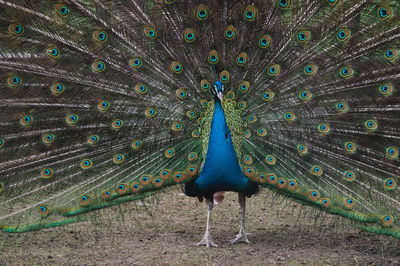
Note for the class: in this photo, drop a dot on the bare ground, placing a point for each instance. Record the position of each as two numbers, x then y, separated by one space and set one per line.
163 234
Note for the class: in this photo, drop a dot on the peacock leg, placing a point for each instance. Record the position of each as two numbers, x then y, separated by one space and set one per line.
207 240
242 236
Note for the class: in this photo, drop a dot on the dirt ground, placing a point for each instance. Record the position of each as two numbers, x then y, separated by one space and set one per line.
162 233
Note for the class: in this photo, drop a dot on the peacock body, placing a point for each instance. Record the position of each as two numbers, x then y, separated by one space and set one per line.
104 102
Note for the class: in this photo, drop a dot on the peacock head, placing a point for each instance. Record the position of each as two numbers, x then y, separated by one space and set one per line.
218 90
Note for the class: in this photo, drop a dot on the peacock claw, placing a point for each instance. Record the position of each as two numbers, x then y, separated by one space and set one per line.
206 241
241 237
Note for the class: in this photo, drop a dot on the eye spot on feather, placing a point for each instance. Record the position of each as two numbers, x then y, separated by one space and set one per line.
268 95
192 156
349 176
169 153
247 134
270 159
272 179
181 94
251 118
390 184
189 35
191 114
46 172
310 69
371 125
136 187
169 2
57 88
98 66
385 13
325 202
116 124
291 185
201 12
92 139
283 4
136 144
241 105
230 95
273 70
150 112
224 76
342 107
387 220
305 95
192 170
262 132
86 164
84 200
121 189
205 85
2 142
14 80
48 138
176 126
392 153
150 32
136 62
323 129
244 86
249 172
16 29
100 36
213 58
26 120
349 202
250 13
179 177
158 182
53 52
145 179
107 194
289 116
118 158
264 41
313 195
247 160
281 183
391 54
346 72
230 32
303 36
302 149
195 133
176 67
316 170
350 147
141 89
386 89
103 106
343 34
43 210
241 59
62 10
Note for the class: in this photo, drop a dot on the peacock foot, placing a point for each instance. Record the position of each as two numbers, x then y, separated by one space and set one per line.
206 241
241 237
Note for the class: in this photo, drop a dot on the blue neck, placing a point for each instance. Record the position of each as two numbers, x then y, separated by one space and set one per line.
221 171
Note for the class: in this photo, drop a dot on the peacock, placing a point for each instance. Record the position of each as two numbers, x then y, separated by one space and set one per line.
105 102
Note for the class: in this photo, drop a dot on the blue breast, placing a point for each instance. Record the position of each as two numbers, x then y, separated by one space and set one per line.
221 171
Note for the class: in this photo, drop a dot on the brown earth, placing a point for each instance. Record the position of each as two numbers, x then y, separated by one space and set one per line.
163 233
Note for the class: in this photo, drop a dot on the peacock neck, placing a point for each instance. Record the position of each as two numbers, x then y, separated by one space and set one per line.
221 170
